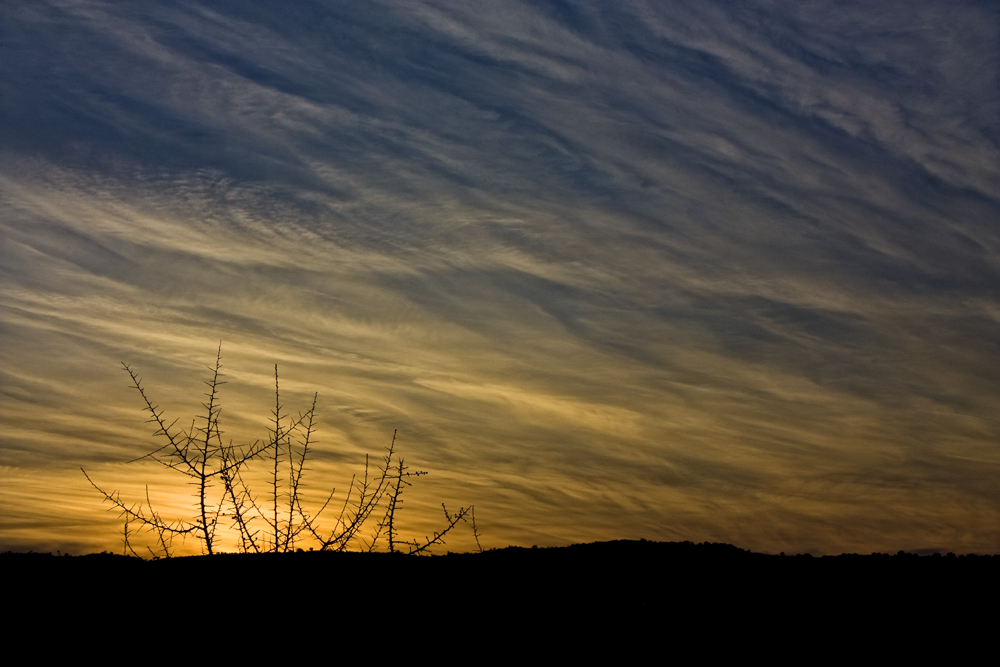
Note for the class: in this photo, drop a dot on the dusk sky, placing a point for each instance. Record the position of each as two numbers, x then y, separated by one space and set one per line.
709 271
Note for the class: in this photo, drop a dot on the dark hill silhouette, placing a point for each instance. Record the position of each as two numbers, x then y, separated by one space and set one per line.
710 598
636 573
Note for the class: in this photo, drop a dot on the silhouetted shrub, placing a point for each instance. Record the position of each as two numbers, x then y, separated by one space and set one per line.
226 502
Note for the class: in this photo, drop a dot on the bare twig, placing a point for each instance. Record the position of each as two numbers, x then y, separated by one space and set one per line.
475 529
439 537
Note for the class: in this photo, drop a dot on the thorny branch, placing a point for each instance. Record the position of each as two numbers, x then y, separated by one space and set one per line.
201 455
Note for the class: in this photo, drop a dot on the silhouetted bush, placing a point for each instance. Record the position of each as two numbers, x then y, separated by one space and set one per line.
226 502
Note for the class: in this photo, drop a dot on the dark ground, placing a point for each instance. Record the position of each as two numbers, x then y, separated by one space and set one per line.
636 573
708 594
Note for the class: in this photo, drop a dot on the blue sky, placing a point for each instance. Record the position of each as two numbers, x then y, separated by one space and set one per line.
722 271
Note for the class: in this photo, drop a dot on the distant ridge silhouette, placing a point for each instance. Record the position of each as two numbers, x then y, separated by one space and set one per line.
713 596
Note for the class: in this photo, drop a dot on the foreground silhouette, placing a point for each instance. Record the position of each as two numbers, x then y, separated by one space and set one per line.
638 573
278 522
675 599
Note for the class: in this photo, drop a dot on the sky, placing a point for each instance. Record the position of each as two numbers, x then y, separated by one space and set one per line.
715 271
